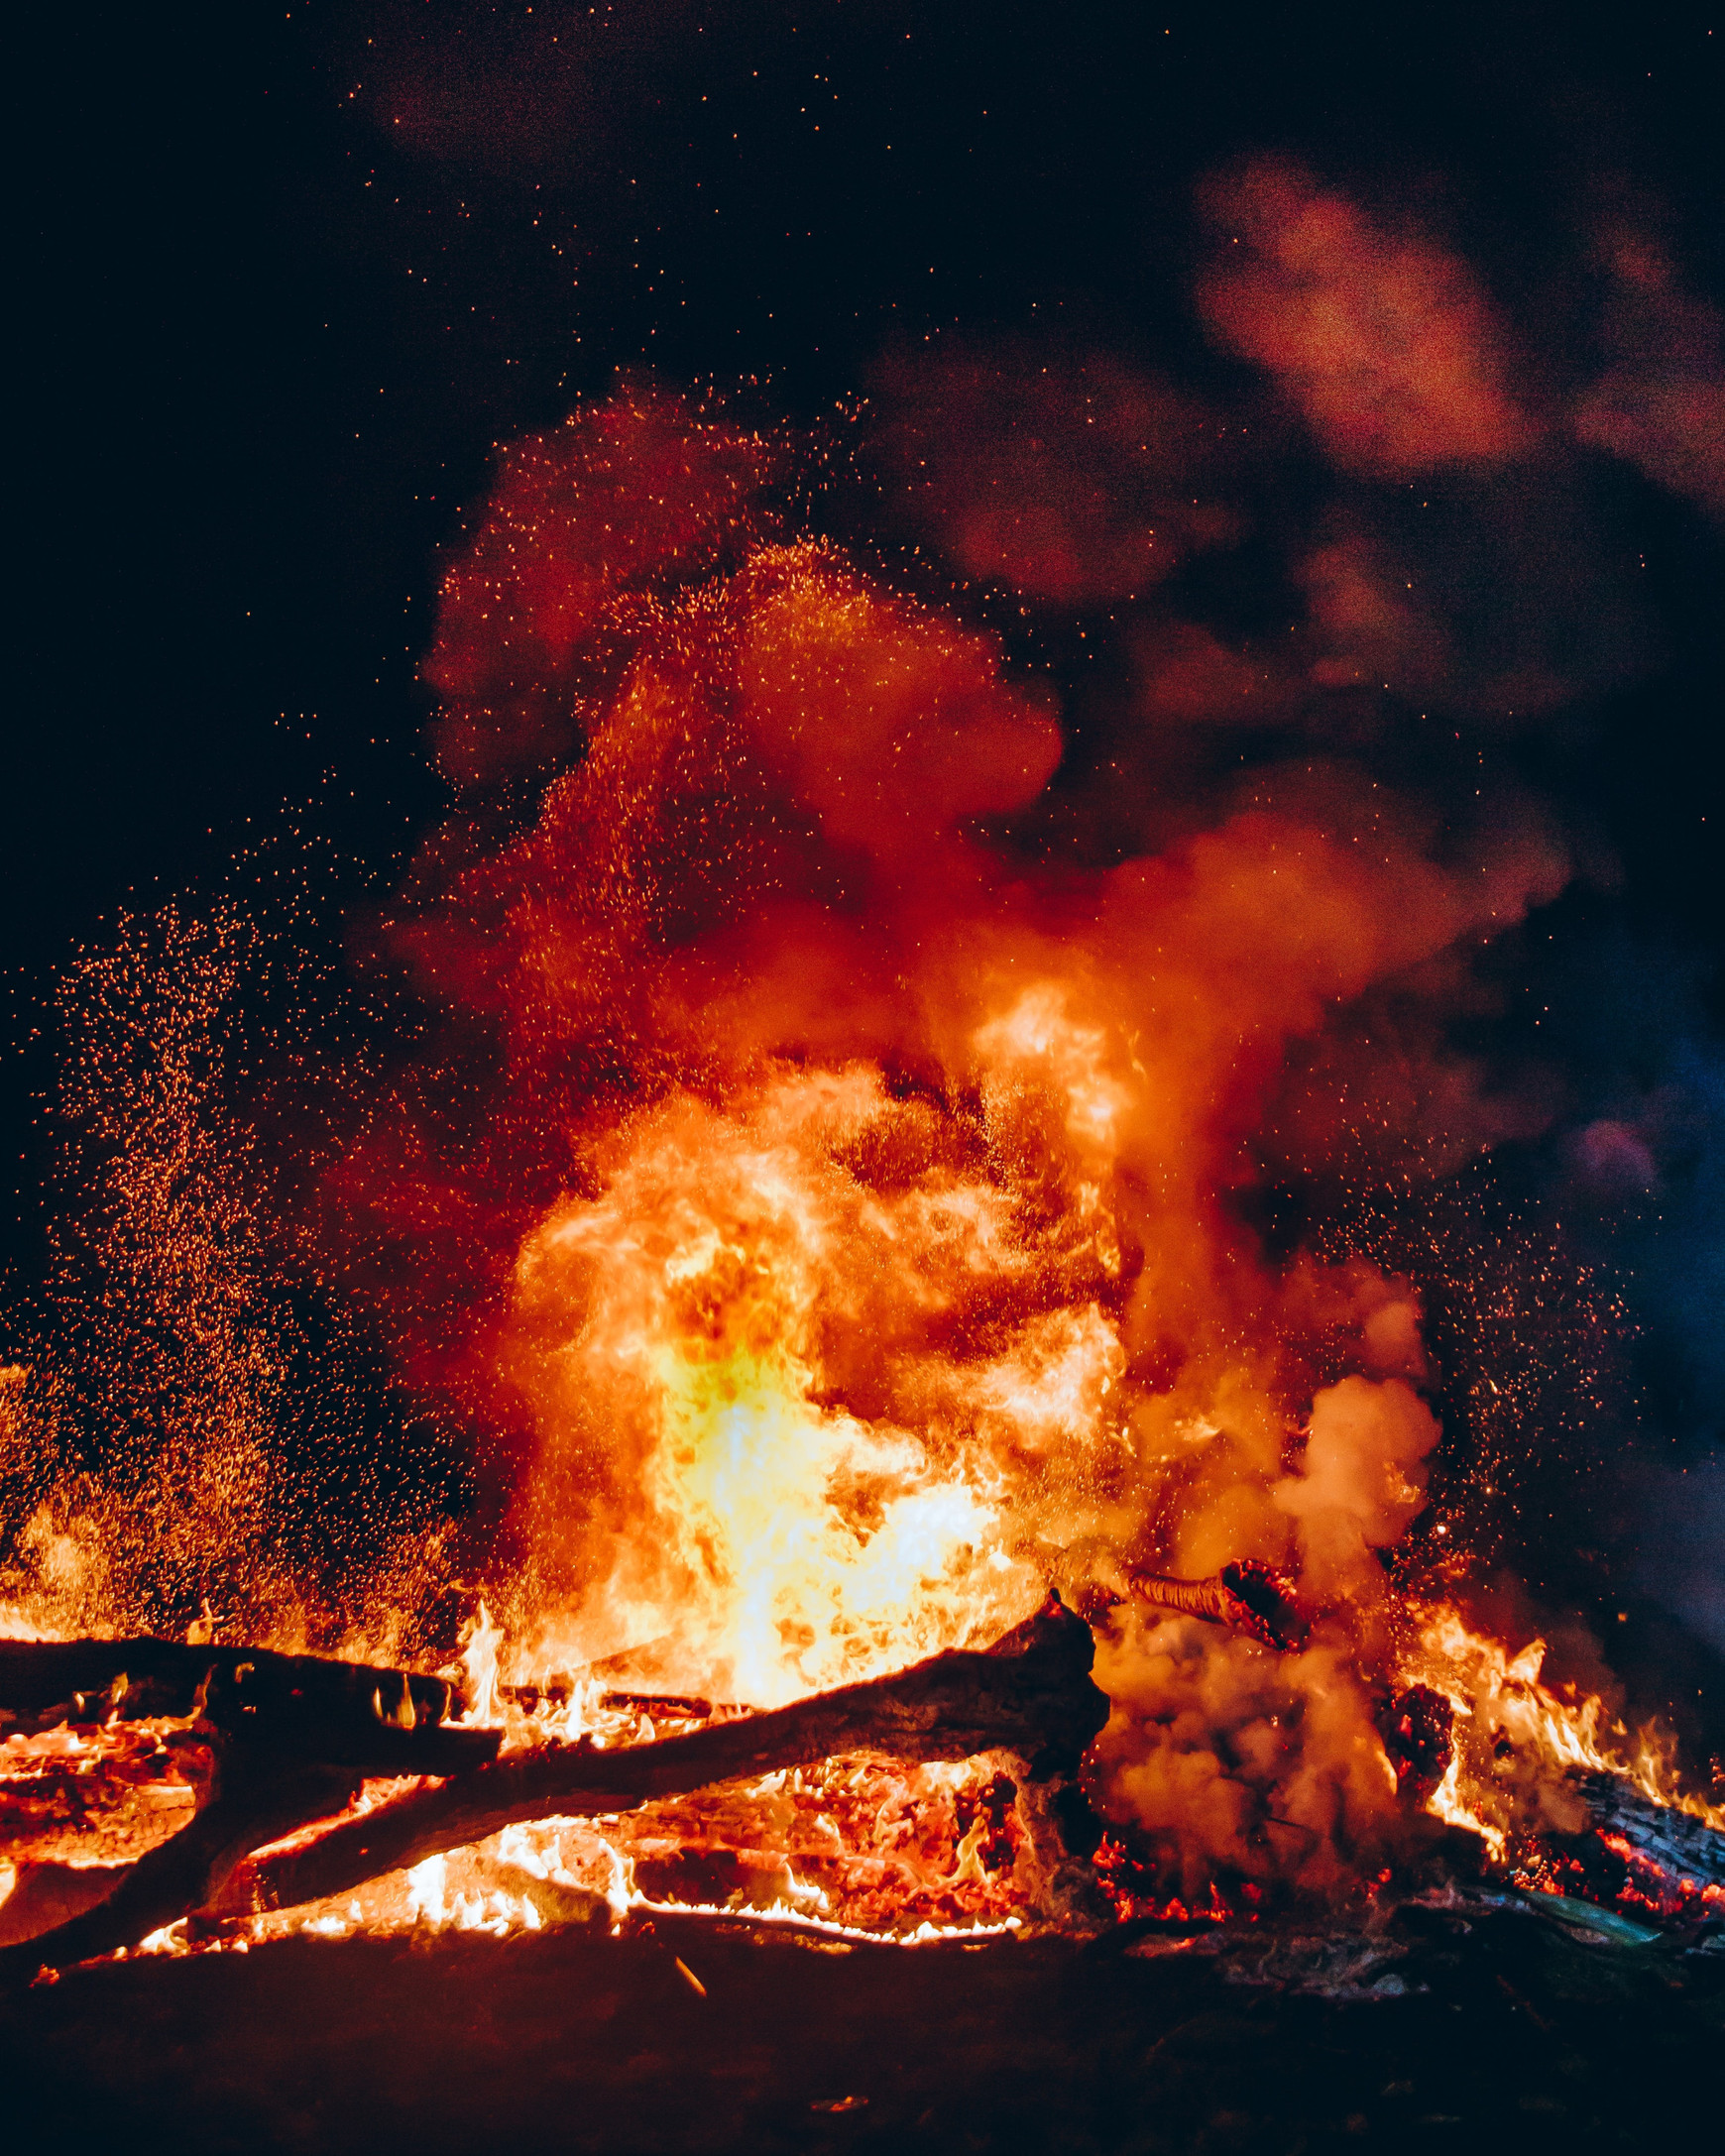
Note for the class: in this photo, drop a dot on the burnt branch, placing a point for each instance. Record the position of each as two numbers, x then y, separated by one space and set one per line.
47 1682
1029 1693
189 1870
1247 1596
282 1754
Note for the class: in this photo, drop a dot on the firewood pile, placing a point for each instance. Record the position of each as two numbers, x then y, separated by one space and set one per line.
187 1794
279 1747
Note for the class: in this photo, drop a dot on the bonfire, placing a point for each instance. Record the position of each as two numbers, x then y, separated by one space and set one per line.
924 1514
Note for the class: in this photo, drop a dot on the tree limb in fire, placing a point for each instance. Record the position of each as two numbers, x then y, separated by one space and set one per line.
283 1754
1030 1693
1248 1596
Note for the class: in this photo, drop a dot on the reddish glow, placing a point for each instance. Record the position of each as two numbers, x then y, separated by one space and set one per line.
1382 338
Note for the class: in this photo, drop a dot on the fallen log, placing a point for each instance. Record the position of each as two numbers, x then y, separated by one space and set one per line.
188 1869
1030 1693
278 1760
47 1682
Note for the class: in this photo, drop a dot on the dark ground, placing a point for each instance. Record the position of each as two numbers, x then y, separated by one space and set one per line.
1517 2033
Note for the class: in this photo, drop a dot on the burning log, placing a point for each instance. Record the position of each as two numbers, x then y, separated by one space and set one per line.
1029 1693
1247 1595
189 1869
47 1682
1677 1843
282 1752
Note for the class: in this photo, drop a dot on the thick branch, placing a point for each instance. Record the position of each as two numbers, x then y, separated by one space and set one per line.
189 1869
43 1681
1248 1596
1030 1693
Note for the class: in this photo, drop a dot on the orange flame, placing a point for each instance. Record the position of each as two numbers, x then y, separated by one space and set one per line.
1516 1739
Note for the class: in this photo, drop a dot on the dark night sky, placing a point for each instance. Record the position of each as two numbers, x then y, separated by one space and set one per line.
289 274
291 271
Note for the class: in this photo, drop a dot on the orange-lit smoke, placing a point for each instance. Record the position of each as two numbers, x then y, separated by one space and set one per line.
1382 338
1661 402
871 1251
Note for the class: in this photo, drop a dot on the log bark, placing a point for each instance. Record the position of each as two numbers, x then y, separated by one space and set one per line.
1030 1693
47 1682
1682 1846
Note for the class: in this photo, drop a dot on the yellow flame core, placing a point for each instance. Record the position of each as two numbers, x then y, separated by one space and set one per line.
701 1333
820 1546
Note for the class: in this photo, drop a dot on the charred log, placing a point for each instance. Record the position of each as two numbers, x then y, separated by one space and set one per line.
47 1896
1417 1728
282 1769
47 1682
1680 1846
1248 1596
1029 1693
279 1759
189 1869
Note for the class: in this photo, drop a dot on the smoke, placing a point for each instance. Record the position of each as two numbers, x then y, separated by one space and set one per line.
898 1090
537 619
548 92
1659 404
1071 478
1382 338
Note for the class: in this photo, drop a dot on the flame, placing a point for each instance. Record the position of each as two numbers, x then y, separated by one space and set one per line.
836 1234
1516 1738
480 1640
787 1543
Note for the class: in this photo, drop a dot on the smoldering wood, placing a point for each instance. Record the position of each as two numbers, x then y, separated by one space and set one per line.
279 1760
1682 1846
47 1894
47 1682
1030 1693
